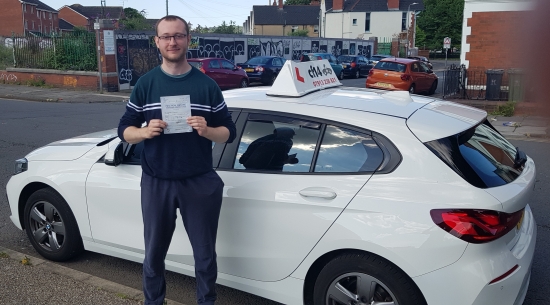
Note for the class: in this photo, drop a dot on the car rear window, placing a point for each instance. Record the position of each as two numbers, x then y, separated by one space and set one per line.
480 155
257 61
196 64
346 59
374 57
390 66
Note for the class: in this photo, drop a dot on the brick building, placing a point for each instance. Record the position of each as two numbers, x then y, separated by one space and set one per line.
492 33
27 17
85 16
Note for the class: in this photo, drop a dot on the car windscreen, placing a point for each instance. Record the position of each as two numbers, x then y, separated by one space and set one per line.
480 155
196 64
258 61
390 66
346 59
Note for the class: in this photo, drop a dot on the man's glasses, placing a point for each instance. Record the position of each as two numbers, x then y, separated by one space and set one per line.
177 37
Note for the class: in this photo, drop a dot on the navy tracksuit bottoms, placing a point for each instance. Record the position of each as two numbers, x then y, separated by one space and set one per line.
199 200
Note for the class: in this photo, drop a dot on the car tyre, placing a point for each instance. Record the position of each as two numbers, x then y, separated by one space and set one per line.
51 226
357 74
367 277
433 88
411 89
244 83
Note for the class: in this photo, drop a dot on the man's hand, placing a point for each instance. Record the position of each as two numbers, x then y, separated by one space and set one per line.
199 124
153 129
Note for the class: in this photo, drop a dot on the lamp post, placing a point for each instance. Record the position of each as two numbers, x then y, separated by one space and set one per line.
408 25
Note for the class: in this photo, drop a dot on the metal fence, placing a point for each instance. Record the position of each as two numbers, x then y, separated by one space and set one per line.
491 85
71 52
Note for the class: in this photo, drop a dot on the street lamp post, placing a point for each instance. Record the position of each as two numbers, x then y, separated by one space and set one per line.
408 25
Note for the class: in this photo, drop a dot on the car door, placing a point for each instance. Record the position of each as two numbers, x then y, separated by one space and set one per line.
276 204
217 73
277 64
233 75
430 76
419 76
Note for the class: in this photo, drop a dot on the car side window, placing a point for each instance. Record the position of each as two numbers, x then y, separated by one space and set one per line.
347 151
332 59
416 67
424 67
132 153
276 62
214 64
227 65
272 143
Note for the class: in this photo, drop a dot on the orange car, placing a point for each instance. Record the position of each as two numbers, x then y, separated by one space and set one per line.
402 74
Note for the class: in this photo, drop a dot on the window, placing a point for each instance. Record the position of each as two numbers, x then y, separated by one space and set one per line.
277 144
44 15
354 21
315 29
391 66
347 151
404 21
33 25
415 67
367 22
26 25
32 9
294 28
480 155
214 64
24 8
50 15
40 28
38 13
227 65
277 62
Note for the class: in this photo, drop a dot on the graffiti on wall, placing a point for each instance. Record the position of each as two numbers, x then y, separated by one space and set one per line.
8 77
137 52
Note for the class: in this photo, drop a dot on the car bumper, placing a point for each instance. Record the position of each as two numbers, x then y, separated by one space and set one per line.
255 77
12 192
468 280
402 86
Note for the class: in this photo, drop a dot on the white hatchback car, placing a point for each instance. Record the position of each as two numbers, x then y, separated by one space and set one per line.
340 196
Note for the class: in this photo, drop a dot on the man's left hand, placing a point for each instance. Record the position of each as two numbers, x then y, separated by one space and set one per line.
199 124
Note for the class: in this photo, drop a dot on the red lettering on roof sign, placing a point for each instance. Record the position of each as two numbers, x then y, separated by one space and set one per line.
298 77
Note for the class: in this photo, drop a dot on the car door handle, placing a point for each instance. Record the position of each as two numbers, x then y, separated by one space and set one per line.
319 192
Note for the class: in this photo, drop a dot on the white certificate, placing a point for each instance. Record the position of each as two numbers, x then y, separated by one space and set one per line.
175 111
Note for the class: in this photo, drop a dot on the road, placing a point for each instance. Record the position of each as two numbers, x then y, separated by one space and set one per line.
25 126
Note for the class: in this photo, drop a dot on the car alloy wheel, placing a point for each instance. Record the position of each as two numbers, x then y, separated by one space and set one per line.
357 74
51 226
244 83
361 278
411 89
433 88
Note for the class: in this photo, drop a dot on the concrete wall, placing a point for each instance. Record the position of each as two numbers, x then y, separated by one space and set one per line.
490 33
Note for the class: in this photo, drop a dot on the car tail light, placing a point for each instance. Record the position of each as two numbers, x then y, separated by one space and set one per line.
353 65
371 72
406 77
476 226
259 69
319 58
202 70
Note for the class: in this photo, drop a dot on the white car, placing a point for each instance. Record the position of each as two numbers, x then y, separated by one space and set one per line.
351 196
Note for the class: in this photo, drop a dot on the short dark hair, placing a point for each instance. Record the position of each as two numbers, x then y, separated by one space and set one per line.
171 18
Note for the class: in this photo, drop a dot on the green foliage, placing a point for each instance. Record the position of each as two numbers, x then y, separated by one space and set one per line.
224 28
420 38
506 110
6 57
135 20
201 29
303 33
4 255
440 19
297 2
36 82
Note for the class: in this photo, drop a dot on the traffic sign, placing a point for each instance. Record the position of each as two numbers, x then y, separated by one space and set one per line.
447 43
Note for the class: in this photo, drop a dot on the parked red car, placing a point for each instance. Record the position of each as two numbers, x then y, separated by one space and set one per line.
224 72
402 74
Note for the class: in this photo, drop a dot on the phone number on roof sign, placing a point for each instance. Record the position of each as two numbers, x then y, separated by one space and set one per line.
324 82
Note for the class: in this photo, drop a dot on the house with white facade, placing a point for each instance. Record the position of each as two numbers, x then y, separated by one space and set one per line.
366 18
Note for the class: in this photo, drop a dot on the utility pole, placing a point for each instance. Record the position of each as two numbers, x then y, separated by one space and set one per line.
103 5
166 7
408 26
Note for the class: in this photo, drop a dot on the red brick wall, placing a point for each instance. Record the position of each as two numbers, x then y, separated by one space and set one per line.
495 40
11 18
74 18
81 82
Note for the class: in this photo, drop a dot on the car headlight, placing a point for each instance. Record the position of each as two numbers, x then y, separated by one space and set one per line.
21 165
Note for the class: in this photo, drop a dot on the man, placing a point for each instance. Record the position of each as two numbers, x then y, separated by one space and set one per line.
177 167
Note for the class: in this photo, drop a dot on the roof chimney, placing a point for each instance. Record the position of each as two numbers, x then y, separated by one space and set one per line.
393 5
338 5
280 4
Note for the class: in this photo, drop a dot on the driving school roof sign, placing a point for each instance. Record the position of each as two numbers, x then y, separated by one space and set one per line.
298 79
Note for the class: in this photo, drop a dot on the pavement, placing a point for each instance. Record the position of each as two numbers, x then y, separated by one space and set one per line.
32 283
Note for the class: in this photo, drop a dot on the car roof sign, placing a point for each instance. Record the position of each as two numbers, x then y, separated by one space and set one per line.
297 79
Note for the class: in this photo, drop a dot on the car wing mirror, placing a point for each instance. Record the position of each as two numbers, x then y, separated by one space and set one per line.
114 155
520 158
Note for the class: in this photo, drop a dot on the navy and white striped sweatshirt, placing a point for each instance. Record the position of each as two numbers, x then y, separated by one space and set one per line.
182 155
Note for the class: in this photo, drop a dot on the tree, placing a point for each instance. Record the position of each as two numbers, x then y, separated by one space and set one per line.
303 33
135 20
440 19
200 29
224 28
297 2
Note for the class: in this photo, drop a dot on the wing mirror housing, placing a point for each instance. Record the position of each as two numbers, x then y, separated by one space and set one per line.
114 155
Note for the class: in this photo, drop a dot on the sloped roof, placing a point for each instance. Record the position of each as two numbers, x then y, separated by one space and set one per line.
290 14
40 5
375 5
93 12
64 25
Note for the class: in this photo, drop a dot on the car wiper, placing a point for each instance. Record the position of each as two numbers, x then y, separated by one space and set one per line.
520 158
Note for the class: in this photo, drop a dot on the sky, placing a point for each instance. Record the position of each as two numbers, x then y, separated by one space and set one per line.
204 12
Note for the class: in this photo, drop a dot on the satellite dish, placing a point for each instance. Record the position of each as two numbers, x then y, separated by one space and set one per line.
360 36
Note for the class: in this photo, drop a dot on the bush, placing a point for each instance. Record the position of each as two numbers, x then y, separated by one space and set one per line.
505 110
6 57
